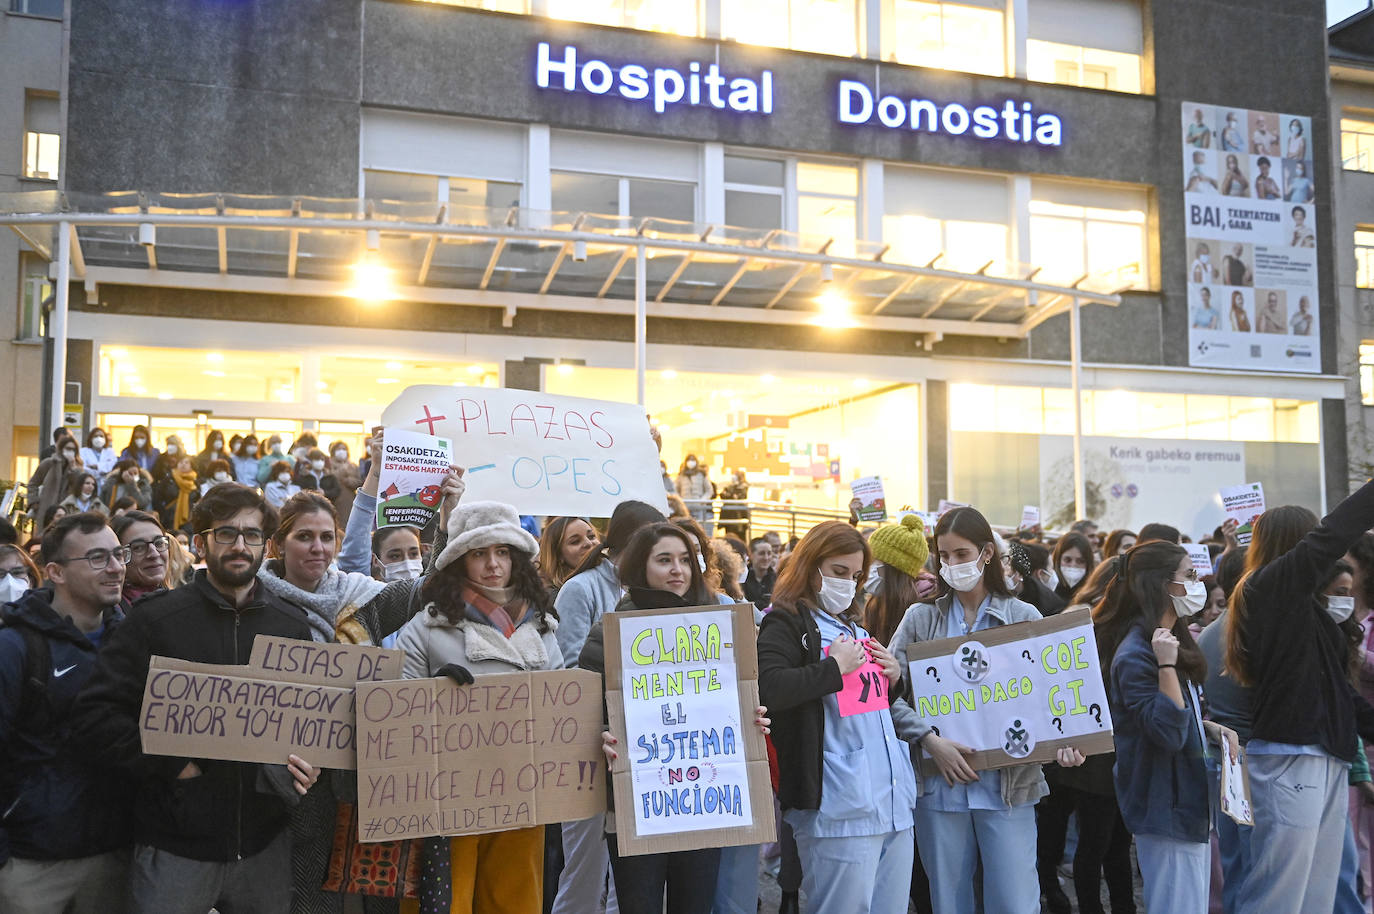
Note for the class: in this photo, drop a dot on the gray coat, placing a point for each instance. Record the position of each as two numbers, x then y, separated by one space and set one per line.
580 602
1021 784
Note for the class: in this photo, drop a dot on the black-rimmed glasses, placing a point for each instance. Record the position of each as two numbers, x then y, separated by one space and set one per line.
227 536
139 548
99 559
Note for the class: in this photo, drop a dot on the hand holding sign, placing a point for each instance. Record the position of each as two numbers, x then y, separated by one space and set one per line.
865 688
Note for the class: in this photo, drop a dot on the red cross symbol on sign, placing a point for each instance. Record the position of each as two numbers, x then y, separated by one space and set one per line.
429 420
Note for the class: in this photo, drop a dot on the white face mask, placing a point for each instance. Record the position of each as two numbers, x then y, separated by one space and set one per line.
1192 601
701 563
874 582
743 576
1204 258
250 449
215 446
1012 582
221 476
12 588
98 442
283 478
691 464
837 594
1340 608
139 442
70 455
301 453
965 577
317 464
171 448
404 570
340 454
1048 578
1073 575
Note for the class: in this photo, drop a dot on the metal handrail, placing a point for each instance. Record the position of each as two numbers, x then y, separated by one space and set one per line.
764 516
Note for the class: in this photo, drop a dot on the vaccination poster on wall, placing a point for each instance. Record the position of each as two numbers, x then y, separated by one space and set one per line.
1251 235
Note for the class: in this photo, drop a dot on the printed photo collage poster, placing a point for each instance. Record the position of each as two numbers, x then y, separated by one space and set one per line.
1251 239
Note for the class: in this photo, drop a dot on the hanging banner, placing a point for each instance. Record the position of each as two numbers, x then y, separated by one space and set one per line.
1249 195
544 454
681 688
512 750
291 696
1016 693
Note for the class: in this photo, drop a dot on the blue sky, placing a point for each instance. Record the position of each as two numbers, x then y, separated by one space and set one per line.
1336 10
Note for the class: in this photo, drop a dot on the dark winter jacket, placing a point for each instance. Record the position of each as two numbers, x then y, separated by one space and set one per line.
1297 655
55 805
230 810
792 681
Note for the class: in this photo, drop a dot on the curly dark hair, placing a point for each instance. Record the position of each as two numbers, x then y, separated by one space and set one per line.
443 590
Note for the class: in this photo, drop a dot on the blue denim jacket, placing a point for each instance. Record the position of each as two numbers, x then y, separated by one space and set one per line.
1161 777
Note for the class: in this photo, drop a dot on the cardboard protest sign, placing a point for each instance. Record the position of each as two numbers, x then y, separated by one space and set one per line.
869 504
1235 786
1015 693
865 689
542 453
409 488
291 696
947 506
1243 504
1202 559
512 750
681 688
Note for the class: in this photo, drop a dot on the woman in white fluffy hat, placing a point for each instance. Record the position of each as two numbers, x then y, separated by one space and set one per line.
486 611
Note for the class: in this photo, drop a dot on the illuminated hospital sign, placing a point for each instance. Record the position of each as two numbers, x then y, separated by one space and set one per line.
705 86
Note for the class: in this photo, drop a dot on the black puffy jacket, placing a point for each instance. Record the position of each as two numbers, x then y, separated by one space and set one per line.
232 809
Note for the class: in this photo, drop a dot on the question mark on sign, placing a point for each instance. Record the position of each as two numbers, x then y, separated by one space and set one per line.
1096 711
1027 655
1058 725
931 671
935 730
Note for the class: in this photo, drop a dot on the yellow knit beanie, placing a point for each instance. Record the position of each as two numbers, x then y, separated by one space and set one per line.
902 545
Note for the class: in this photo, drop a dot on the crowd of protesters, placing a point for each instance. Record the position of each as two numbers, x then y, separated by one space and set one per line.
191 556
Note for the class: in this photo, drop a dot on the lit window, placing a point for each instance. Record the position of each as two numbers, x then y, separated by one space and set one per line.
952 36
1364 259
607 195
142 371
357 380
828 204
754 190
42 136
678 17
1078 231
411 188
500 6
1357 144
37 287
1367 373
823 26
958 216
1097 44
1091 68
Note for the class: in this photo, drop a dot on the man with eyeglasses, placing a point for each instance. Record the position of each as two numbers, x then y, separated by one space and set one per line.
65 821
206 833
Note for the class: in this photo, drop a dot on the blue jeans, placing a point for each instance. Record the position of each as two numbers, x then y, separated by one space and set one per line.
1347 896
737 883
870 874
1177 874
951 843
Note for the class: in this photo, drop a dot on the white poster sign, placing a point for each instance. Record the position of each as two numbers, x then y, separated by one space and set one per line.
545 454
1251 239
680 684
1016 693
1133 481
1243 504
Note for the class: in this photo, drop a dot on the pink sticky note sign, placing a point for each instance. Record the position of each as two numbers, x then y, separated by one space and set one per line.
865 689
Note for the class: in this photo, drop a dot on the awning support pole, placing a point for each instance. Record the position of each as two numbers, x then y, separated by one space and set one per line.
57 326
1080 500
641 320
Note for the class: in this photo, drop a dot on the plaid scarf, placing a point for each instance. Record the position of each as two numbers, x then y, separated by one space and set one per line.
502 618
